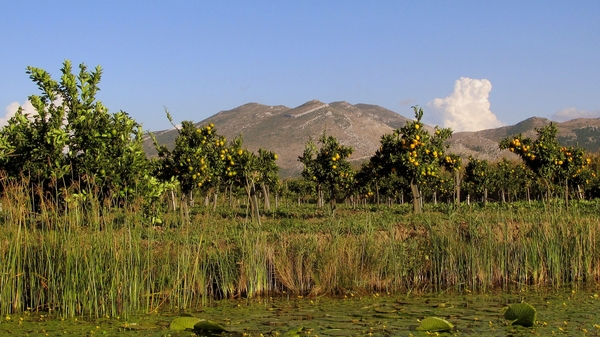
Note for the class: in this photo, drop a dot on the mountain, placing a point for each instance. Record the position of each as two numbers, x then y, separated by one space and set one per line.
582 132
286 130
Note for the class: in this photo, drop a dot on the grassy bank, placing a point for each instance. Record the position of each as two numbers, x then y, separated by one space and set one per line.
102 261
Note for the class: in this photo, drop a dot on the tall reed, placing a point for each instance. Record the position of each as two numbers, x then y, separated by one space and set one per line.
89 258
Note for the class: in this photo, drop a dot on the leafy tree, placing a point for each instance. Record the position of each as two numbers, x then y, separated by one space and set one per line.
446 186
199 161
73 139
412 152
328 167
544 156
478 177
268 174
248 175
453 163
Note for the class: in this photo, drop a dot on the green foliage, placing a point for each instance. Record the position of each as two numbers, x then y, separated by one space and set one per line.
415 154
328 166
73 139
198 160
545 156
478 175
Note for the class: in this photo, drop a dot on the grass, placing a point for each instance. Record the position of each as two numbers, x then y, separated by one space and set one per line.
96 260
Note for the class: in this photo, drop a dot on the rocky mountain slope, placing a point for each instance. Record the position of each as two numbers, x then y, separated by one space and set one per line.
285 130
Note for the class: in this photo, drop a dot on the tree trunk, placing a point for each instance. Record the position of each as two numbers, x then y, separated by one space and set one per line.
457 187
416 197
580 192
253 201
332 201
267 202
319 196
190 198
174 200
215 199
485 196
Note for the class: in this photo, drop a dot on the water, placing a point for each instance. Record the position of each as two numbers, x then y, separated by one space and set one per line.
565 313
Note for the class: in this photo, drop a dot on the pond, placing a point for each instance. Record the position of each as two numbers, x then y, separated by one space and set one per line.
567 313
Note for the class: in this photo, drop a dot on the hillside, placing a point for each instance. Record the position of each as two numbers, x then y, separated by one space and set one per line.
285 130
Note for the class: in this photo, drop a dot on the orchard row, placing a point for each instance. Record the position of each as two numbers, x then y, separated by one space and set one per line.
73 148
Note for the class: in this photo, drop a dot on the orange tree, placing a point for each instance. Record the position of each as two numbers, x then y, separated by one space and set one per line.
582 179
590 178
446 186
412 152
247 173
504 178
72 140
448 180
268 174
378 175
550 162
198 161
327 167
367 180
478 177
453 163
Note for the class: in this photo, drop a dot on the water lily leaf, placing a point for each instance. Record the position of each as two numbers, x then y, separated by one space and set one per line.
184 323
521 314
435 324
337 332
207 325
293 332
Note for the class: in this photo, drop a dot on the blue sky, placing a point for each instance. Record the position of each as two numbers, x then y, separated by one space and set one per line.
469 64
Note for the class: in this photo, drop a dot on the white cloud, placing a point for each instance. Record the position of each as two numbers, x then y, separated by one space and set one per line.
467 108
573 113
12 108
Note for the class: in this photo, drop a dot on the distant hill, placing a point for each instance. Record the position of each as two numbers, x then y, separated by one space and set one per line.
583 132
285 130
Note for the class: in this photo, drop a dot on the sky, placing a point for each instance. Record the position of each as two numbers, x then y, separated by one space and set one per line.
470 65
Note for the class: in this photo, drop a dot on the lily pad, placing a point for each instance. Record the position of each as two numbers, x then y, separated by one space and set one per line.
293 332
435 324
521 314
337 332
184 323
195 323
206 325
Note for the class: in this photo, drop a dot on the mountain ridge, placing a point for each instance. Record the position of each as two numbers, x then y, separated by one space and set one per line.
285 130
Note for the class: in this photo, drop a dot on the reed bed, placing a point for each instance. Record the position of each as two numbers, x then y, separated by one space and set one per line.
97 260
